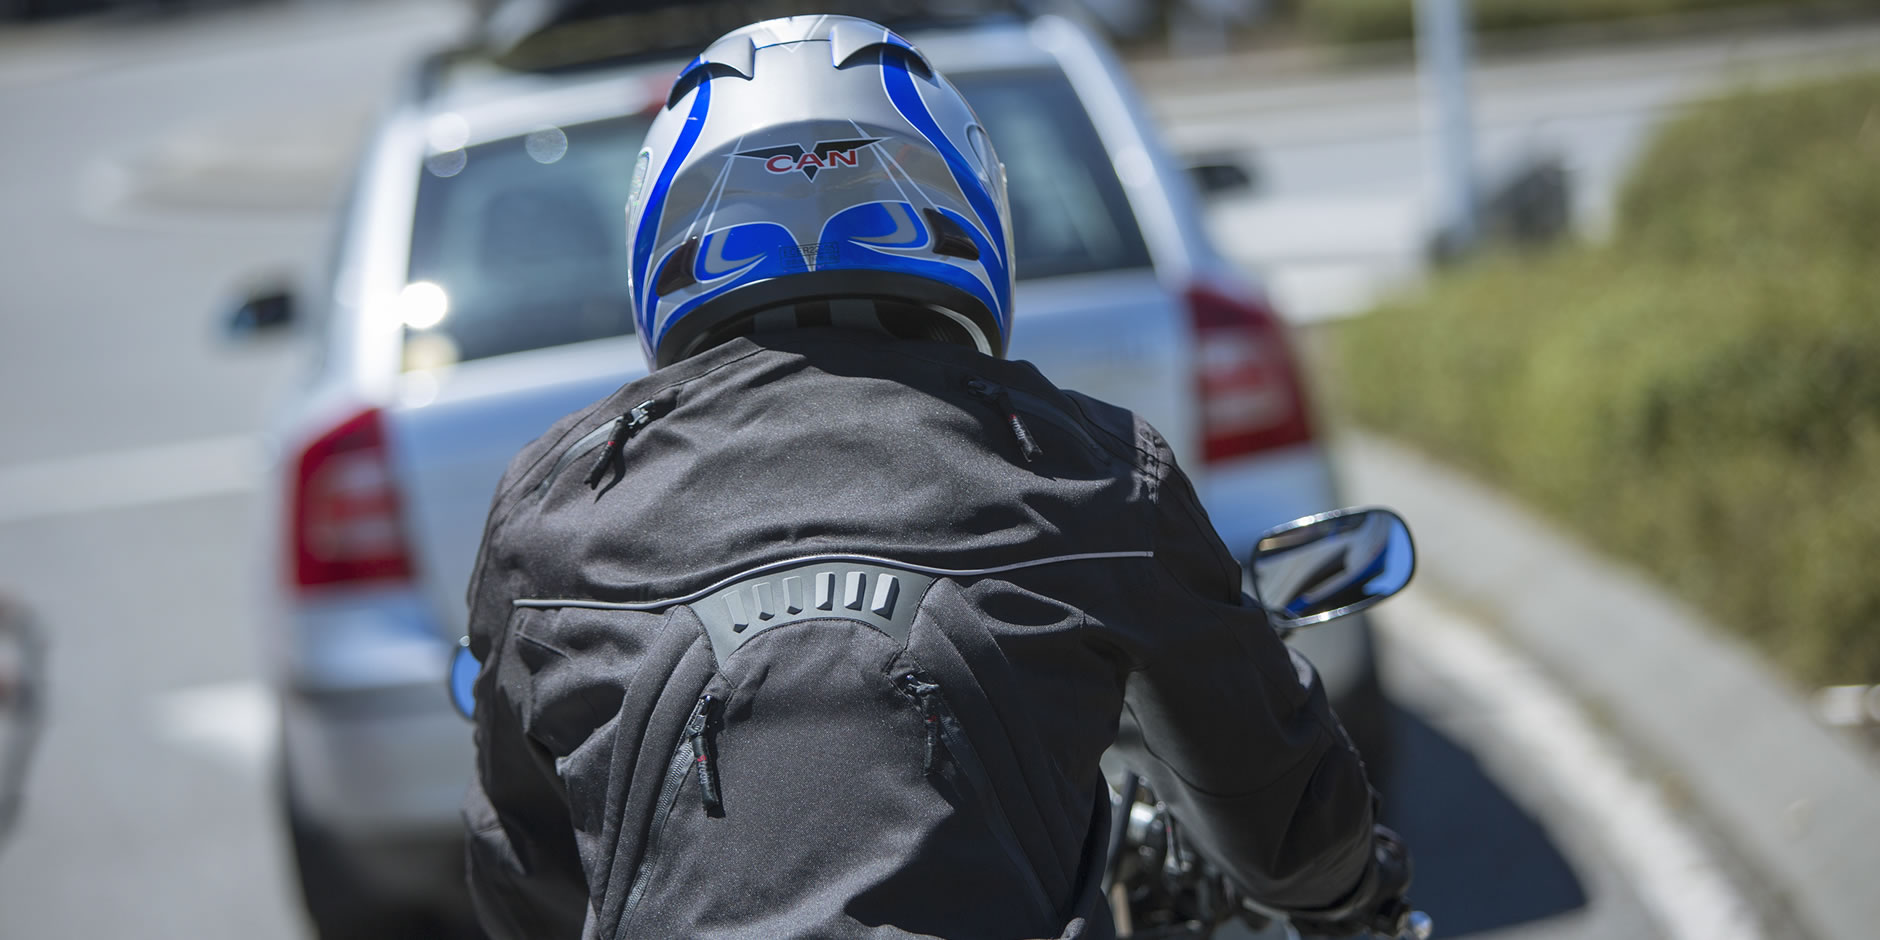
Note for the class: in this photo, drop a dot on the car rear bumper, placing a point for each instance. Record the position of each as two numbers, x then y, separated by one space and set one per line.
385 765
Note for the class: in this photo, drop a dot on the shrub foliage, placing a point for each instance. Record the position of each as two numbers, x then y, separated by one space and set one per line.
1701 392
1363 20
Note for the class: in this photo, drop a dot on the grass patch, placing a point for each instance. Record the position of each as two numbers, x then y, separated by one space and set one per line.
1366 20
1701 393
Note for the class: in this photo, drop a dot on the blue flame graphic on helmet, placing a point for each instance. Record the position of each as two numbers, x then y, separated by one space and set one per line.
889 236
735 255
878 224
644 301
899 83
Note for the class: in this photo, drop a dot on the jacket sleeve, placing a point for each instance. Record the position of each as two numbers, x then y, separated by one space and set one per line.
524 873
1232 729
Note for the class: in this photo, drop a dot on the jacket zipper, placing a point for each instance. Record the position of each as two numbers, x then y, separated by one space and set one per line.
614 434
588 441
943 729
1042 408
694 748
925 693
622 431
1001 398
1018 400
699 731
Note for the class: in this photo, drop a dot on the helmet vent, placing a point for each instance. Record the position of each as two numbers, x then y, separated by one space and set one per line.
676 273
882 53
696 76
949 238
850 41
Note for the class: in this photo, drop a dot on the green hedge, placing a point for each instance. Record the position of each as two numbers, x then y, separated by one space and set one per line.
1361 20
1701 393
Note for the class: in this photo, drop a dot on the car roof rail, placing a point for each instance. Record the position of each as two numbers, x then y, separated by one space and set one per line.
576 35
428 75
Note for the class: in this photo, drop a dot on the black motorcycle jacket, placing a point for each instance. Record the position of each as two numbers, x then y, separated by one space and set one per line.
821 634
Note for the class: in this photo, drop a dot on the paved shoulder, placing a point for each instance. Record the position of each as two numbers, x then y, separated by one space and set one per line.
1801 804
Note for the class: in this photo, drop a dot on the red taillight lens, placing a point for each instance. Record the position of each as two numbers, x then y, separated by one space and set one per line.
1252 398
346 525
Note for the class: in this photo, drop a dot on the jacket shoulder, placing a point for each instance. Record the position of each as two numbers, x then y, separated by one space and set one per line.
1125 432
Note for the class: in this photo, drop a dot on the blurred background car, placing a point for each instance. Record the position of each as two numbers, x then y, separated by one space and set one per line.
22 697
477 292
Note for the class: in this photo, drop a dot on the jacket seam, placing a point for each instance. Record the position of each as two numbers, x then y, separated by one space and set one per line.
1136 451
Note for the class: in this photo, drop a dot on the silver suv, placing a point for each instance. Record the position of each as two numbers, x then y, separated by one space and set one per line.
478 292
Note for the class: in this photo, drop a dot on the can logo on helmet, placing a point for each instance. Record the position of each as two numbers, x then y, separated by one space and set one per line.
826 155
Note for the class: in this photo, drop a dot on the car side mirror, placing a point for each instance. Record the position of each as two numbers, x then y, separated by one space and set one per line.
265 312
1331 565
1222 174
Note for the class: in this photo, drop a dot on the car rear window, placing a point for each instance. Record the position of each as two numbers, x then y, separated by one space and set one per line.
525 236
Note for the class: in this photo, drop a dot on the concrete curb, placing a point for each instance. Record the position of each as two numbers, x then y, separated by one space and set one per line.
1798 802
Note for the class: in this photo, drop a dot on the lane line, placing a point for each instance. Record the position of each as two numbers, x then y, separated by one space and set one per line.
127 479
1666 863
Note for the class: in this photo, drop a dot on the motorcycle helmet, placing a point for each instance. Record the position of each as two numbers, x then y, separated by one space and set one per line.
817 171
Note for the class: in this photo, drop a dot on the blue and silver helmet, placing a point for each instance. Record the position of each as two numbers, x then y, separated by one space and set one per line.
816 170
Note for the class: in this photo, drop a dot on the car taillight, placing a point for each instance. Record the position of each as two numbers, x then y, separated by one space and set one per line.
1251 394
346 525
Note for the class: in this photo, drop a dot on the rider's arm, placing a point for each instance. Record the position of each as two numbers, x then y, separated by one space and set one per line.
524 874
1234 732
525 877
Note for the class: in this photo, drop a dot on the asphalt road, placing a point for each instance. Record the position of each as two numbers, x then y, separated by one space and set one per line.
146 175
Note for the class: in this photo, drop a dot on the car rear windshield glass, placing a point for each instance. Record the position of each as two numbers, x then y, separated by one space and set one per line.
524 238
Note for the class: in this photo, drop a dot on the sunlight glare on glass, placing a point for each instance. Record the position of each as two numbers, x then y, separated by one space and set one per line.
447 132
546 145
430 352
423 305
447 164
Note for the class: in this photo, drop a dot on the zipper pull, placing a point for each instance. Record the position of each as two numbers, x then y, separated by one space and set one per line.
698 729
609 453
625 427
1000 398
923 691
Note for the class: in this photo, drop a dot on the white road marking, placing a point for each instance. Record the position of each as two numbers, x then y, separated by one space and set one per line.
128 478
235 723
1676 878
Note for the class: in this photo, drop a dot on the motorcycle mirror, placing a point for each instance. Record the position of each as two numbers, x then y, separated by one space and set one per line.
463 676
1331 565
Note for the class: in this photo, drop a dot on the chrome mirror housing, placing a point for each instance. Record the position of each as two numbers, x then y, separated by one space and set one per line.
1331 565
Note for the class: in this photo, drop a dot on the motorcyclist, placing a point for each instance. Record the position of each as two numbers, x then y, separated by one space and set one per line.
820 629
